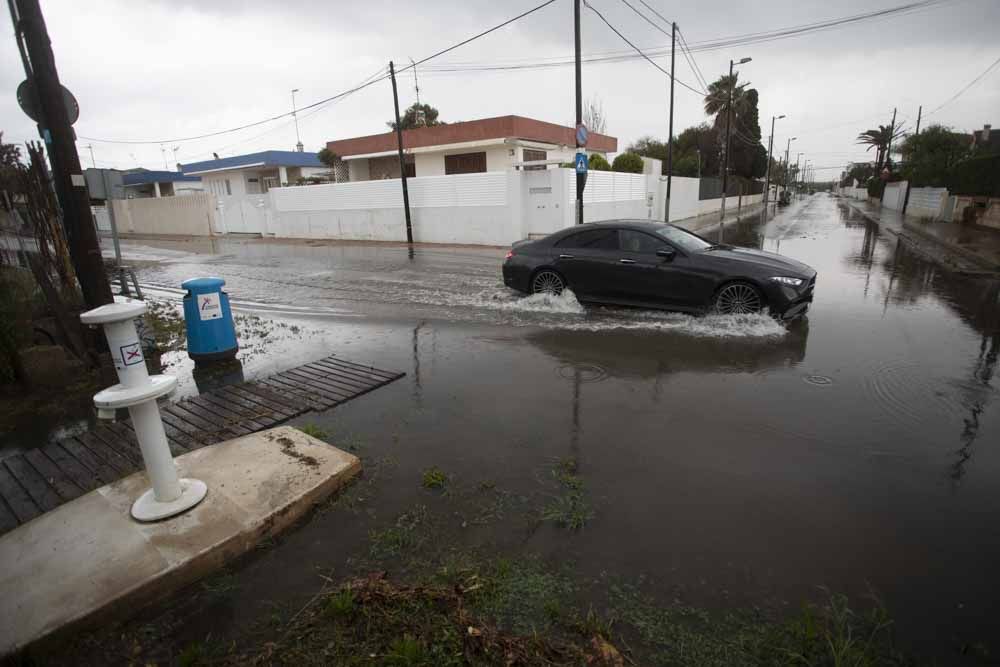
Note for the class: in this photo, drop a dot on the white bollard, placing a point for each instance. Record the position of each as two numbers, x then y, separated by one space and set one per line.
137 390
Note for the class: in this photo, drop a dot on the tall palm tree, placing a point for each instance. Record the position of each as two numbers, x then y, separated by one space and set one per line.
717 99
880 140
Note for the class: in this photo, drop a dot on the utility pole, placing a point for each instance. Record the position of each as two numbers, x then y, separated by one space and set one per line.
698 151
670 131
888 149
93 162
906 199
788 147
57 132
770 156
295 117
725 157
580 178
796 181
402 161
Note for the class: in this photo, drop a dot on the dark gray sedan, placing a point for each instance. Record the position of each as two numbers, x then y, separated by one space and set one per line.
656 265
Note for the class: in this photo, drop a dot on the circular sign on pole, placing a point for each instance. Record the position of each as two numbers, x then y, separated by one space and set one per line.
27 98
581 135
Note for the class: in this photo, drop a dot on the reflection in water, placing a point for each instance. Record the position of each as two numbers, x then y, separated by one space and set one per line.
208 377
628 354
417 386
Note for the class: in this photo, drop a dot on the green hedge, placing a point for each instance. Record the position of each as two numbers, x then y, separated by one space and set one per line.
978 177
628 162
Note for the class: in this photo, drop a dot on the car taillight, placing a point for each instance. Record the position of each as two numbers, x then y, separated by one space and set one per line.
510 253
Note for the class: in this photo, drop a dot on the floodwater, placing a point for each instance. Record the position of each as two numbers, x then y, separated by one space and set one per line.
729 460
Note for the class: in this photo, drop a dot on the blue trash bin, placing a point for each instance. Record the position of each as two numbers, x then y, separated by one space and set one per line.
211 333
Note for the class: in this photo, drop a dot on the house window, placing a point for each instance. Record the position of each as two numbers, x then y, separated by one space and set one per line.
229 190
531 154
465 163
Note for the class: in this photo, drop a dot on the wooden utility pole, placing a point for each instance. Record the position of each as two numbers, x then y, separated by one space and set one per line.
670 131
55 129
402 160
906 199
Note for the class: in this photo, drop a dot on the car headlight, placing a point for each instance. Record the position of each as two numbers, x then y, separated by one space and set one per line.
787 280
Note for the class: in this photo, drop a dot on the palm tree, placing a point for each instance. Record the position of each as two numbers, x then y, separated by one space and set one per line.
880 140
717 99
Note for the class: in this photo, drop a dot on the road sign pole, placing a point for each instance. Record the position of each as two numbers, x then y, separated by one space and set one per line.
581 179
56 130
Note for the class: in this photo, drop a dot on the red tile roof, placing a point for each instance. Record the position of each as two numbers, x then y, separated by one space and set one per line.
503 127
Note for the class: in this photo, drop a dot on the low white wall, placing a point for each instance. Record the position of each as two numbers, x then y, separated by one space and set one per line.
927 202
468 208
193 215
895 195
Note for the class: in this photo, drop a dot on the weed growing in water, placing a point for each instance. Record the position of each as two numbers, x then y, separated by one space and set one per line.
313 431
434 478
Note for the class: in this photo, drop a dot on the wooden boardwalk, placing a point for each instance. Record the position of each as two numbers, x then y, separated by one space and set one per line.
41 479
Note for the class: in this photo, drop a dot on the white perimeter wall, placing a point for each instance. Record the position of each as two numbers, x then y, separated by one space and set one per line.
927 202
466 208
895 193
193 215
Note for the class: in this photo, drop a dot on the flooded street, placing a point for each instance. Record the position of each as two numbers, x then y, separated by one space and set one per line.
728 460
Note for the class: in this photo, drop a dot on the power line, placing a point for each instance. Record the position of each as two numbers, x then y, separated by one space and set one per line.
332 97
692 61
705 45
638 50
969 85
661 16
644 17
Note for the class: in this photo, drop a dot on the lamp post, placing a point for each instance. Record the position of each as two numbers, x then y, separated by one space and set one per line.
770 147
788 147
295 117
797 158
725 157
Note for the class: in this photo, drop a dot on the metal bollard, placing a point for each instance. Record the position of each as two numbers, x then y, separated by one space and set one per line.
137 390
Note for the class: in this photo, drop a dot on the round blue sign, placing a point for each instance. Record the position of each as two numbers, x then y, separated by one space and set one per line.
581 135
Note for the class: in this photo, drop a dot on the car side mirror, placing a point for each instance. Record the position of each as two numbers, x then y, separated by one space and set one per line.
666 253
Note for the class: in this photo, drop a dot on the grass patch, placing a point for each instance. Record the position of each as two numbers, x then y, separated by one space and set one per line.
405 535
412 626
829 634
312 430
571 507
434 478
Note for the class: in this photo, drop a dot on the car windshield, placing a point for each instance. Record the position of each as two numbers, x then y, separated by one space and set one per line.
683 239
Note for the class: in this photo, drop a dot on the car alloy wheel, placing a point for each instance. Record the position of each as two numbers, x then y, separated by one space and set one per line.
547 282
738 299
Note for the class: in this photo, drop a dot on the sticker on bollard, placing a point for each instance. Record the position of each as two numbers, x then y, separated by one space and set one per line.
210 306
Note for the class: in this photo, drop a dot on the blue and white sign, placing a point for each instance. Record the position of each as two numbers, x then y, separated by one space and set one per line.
581 135
581 163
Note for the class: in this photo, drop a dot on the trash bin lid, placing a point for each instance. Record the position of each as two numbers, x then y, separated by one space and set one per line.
121 310
199 285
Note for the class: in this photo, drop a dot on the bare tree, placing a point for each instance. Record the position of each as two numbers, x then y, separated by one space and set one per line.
593 115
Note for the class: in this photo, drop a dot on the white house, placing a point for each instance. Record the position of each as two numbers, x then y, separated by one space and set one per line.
142 183
490 144
255 173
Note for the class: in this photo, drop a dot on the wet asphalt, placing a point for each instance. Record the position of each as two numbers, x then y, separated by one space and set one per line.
729 460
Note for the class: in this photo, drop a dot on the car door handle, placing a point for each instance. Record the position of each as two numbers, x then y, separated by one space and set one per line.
626 261
566 256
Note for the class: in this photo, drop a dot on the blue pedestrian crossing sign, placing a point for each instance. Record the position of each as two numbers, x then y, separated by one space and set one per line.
581 163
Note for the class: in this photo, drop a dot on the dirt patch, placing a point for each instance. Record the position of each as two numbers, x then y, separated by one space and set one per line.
288 448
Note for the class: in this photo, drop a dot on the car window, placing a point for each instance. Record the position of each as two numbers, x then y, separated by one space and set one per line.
683 238
633 241
595 239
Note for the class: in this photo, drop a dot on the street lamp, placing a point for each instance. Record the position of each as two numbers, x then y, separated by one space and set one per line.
797 172
787 148
295 117
770 147
729 122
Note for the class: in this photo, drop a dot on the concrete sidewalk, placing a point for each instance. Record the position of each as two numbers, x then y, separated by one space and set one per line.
709 222
964 248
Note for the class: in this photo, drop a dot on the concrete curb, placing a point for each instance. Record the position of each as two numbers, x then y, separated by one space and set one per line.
87 562
989 267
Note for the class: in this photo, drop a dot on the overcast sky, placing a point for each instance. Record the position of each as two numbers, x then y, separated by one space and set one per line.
162 69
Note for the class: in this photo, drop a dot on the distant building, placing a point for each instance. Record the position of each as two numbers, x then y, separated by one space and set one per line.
255 173
141 183
986 139
491 144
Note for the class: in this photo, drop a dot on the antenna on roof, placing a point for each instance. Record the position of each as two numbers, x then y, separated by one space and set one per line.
415 84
